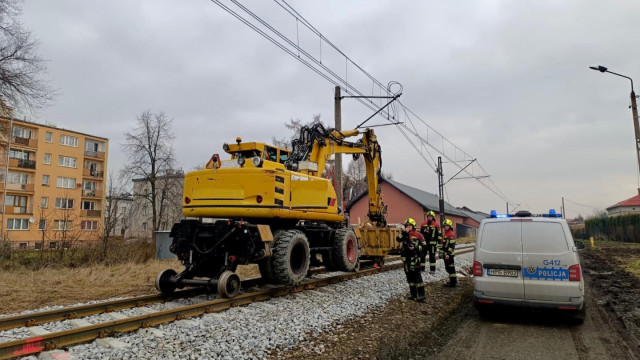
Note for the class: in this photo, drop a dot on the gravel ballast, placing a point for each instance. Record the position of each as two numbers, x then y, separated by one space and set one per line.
256 330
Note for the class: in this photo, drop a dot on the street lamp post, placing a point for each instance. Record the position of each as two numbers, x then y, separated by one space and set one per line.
634 108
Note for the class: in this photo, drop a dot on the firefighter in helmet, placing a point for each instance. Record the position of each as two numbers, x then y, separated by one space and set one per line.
447 251
413 256
430 229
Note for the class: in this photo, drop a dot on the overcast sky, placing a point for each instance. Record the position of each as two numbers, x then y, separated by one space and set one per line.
506 81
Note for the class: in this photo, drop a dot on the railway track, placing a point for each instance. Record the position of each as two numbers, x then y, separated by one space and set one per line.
89 332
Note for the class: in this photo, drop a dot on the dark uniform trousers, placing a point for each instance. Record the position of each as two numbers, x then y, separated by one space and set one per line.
448 248
431 235
414 278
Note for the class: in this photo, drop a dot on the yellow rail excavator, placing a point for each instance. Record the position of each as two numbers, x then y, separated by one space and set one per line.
271 206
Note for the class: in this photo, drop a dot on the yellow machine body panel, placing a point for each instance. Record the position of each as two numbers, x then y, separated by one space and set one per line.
229 189
378 241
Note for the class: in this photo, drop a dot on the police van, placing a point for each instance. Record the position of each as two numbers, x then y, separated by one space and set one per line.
528 260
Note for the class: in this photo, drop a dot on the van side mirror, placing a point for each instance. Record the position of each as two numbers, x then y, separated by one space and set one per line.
579 244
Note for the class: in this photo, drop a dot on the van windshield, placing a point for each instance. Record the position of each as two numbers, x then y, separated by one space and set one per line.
543 238
501 237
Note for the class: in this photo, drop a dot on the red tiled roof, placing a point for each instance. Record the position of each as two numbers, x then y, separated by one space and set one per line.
633 201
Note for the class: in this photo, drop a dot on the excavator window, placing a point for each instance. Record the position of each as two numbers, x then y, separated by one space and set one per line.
270 154
246 154
284 156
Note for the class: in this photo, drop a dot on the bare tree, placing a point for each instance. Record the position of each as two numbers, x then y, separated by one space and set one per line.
295 126
21 68
114 213
150 153
355 179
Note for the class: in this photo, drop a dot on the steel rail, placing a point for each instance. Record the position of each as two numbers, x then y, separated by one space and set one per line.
57 340
68 313
74 312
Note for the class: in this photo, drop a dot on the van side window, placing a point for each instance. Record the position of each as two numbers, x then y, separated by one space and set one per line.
543 238
501 237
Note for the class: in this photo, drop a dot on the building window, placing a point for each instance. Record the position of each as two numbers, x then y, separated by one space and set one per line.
89 185
88 205
37 246
23 246
44 202
68 140
47 159
21 133
53 245
89 225
18 178
17 224
67 161
19 203
62 225
144 226
65 182
63 203
48 136
145 211
42 225
19 154
45 180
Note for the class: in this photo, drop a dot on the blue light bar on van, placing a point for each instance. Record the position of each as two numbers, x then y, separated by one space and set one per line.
551 214
494 214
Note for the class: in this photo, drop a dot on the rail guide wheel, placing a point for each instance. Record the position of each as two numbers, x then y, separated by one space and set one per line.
163 282
228 284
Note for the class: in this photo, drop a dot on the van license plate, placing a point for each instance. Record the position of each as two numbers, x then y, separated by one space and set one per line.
502 272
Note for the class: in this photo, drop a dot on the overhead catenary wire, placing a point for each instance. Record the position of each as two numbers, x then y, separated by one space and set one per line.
579 204
408 129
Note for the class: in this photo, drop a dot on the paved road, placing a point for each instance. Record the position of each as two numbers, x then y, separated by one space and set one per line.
538 336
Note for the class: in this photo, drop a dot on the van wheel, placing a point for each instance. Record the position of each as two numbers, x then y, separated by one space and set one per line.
580 315
484 310
290 257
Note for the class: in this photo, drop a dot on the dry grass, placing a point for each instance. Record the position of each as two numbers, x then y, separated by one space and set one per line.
466 240
25 289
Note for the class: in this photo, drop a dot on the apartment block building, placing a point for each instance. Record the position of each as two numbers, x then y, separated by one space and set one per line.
168 206
52 185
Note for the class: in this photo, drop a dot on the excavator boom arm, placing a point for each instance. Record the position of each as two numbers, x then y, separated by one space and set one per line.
317 145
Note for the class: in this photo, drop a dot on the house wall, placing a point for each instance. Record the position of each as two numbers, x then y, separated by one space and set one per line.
399 208
623 210
141 225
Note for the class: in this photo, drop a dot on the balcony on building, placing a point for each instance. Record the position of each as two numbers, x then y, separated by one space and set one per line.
22 163
95 193
91 213
18 187
33 143
24 210
24 136
94 149
93 172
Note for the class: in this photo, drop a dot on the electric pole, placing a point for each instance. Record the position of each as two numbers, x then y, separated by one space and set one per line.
440 189
338 157
563 214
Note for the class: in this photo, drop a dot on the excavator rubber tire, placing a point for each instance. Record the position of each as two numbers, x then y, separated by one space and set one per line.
344 256
290 257
266 265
